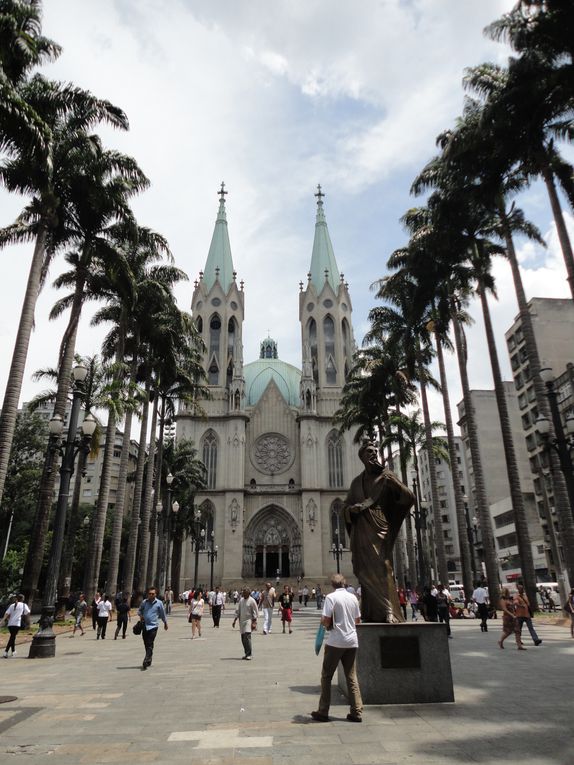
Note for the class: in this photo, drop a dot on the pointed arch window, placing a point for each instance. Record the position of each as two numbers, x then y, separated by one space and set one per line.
338 531
214 341
312 333
209 458
329 339
199 324
231 334
335 459
346 332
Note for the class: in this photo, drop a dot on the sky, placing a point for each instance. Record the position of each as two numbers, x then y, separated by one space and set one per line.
274 98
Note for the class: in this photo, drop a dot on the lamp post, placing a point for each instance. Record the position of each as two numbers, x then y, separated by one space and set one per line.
471 539
172 521
337 550
44 643
563 442
420 524
198 535
164 539
212 557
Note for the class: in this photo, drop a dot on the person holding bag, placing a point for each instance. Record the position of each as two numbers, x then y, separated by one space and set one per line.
15 617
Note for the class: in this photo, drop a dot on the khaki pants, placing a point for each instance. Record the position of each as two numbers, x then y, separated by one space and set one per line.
347 657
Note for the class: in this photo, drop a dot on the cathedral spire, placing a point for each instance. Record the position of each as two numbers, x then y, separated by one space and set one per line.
219 263
323 264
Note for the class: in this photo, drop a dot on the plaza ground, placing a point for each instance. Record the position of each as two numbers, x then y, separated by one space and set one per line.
200 703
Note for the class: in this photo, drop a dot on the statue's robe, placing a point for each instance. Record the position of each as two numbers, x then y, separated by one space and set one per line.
373 530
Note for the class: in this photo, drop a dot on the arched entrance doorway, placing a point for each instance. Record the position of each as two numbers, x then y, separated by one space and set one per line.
272 545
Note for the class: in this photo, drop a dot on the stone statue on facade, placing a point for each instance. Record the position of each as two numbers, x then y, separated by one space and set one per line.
375 508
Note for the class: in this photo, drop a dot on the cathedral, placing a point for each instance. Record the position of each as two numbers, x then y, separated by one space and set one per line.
277 467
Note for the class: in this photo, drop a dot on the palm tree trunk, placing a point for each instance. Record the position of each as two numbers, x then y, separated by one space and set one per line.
176 560
19 356
35 556
458 497
147 501
563 237
521 525
161 530
410 545
98 525
480 495
561 499
439 538
136 506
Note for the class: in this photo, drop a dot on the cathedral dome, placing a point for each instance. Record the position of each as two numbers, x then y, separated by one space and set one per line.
259 374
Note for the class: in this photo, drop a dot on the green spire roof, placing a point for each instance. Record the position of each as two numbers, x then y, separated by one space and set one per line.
323 257
219 256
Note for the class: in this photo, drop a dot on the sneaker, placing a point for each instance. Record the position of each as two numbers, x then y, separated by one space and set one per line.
537 642
13 653
5 655
144 667
248 658
354 718
318 717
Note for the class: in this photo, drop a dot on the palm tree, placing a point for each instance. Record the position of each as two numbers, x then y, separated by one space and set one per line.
47 177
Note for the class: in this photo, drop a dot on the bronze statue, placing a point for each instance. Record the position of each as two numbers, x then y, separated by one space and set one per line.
375 507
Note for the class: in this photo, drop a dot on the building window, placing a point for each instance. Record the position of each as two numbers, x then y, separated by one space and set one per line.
312 332
329 337
346 345
445 518
214 340
338 533
335 459
209 456
506 540
230 348
505 519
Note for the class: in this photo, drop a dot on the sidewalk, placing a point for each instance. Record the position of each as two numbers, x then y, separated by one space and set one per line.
200 703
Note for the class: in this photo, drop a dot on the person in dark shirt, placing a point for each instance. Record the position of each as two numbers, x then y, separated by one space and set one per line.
429 606
123 611
286 608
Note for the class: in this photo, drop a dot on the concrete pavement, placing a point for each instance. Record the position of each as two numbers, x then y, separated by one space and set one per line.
200 703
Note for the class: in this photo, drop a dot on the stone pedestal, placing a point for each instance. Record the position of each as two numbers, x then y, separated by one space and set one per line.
403 664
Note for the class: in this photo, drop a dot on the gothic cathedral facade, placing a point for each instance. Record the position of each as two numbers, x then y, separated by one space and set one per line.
277 467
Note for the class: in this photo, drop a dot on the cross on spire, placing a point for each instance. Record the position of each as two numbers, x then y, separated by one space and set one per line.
319 194
222 192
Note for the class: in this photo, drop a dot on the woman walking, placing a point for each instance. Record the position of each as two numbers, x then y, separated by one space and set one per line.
123 611
569 608
286 608
13 617
510 623
80 610
104 614
524 613
196 607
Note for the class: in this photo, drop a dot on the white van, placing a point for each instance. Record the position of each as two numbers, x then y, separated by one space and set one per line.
456 593
553 587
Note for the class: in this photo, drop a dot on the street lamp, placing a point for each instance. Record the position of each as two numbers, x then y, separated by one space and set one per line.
212 557
44 642
562 442
198 535
165 539
337 550
171 521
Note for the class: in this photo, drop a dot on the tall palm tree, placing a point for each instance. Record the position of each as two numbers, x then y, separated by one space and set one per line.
47 177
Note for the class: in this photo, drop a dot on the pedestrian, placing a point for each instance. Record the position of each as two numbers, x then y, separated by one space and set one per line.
569 609
196 607
123 612
403 601
235 597
428 605
305 595
267 604
246 613
150 612
300 595
15 612
217 603
286 608
94 609
413 600
480 597
104 613
168 599
510 623
80 610
524 613
340 616
319 596
443 607
551 601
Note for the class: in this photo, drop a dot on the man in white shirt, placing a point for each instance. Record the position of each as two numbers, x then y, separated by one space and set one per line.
13 617
340 616
104 613
480 597
247 613
217 603
267 604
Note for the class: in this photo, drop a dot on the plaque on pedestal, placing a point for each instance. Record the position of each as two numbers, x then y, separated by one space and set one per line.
402 664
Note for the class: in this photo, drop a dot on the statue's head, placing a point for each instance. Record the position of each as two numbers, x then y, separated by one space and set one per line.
369 456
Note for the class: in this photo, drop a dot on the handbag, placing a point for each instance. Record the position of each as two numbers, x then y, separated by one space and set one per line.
319 637
137 629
